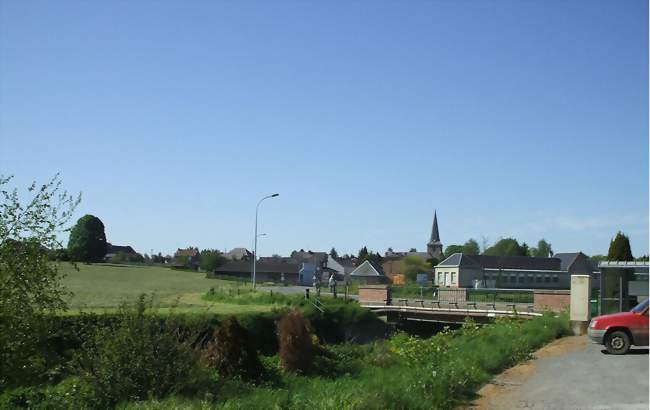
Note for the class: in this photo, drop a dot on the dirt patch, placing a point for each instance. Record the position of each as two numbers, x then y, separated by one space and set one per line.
494 395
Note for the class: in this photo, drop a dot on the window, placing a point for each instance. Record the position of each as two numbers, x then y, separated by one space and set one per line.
556 279
453 278
513 279
440 282
538 278
521 278
547 278
530 278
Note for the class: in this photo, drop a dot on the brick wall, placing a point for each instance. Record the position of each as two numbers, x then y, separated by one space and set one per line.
553 300
373 294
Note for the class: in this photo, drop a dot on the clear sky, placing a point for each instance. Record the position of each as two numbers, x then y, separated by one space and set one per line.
511 118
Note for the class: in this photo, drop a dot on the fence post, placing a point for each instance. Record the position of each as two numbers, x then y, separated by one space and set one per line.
307 293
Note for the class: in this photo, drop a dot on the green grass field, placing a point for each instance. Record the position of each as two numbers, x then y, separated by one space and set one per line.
103 287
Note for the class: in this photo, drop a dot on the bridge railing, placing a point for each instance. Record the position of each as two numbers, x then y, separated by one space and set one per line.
463 295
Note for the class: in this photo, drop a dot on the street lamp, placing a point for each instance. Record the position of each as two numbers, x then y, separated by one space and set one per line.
255 237
259 236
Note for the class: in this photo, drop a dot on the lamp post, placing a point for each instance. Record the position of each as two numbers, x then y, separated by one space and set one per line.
257 208
259 236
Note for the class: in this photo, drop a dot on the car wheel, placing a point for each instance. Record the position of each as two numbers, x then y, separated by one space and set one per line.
617 342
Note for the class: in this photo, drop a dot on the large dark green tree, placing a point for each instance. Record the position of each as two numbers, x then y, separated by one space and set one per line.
507 247
87 241
211 259
619 248
471 247
452 249
543 249
412 265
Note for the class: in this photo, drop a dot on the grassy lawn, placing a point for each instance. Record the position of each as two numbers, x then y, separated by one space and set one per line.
102 287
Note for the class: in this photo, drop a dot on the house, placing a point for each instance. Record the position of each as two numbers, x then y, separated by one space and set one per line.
577 263
517 272
265 271
186 258
319 264
393 270
368 273
113 250
238 254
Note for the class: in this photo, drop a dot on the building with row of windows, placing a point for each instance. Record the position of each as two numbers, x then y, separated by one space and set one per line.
517 272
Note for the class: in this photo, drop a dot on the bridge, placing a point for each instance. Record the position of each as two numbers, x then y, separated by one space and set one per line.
446 314
452 305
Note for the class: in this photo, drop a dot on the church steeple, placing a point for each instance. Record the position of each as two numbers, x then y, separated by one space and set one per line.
434 247
435 236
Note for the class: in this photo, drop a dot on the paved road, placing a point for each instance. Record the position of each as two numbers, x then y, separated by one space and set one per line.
572 374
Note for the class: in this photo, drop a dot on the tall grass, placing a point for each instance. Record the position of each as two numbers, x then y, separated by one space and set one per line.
404 373
247 296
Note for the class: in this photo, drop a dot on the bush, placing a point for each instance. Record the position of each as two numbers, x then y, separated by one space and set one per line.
141 356
296 344
232 352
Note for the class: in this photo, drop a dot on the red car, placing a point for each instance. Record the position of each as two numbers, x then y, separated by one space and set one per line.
619 331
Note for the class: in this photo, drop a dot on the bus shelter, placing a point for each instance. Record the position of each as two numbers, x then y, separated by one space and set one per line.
622 285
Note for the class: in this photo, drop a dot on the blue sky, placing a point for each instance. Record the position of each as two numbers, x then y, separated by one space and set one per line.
511 118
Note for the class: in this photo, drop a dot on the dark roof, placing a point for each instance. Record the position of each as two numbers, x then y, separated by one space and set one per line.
261 266
309 256
503 262
566 259
345 262
376 266
459 259
119 248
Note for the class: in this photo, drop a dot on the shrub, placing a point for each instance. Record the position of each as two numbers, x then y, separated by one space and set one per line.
140 356
232 353
296 344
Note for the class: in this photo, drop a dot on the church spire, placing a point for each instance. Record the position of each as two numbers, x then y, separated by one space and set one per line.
435 236
434 247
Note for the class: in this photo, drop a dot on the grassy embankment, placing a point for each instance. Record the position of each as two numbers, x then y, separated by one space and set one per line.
404 372
103 287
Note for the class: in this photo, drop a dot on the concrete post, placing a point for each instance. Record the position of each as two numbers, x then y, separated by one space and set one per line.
579 313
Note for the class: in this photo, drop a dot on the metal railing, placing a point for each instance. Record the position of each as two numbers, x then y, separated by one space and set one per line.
464 296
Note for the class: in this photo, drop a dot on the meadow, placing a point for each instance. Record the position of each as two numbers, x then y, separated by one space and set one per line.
103 287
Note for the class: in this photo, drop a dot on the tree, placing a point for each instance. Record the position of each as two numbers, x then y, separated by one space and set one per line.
413 250
363 252
506 247
365 255
211 259
597 258
412 265
87 241
452 249
30 285
543 249
471 247
333 253
619 248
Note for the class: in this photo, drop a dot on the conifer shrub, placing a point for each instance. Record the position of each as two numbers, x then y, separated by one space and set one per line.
232 353
296 343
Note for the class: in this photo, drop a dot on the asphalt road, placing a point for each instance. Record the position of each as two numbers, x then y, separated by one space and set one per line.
572 373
